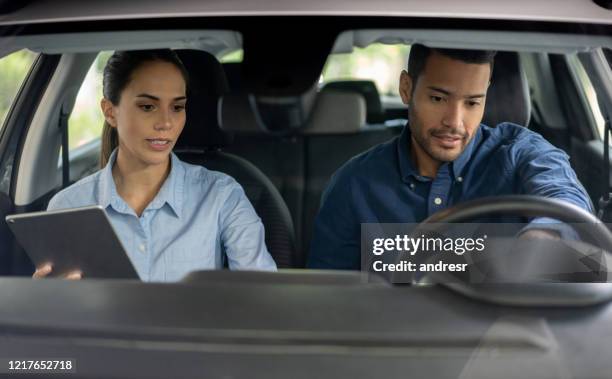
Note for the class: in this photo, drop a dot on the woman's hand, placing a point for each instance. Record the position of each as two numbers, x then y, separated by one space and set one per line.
45 270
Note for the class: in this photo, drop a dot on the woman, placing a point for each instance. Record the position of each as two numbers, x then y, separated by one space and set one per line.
172 217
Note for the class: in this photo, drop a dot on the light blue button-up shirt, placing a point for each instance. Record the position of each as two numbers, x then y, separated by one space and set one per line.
197 217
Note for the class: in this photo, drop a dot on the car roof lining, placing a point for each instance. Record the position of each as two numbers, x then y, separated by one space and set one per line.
215 42
218 41
470 39
576 11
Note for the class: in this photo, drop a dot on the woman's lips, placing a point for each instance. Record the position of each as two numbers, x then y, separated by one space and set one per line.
159 144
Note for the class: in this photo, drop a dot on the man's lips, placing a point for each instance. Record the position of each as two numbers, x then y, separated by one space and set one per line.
448 140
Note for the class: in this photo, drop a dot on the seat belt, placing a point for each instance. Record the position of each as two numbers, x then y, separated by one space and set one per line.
63 126
605 208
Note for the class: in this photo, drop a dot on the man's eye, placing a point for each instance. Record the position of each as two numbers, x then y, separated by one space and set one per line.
147 107
435 99
473 104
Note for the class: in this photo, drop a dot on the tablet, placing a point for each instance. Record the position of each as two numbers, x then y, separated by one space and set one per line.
73 239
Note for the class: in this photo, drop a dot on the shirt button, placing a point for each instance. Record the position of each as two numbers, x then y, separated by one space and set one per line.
459 179
437 201
412 185
142 247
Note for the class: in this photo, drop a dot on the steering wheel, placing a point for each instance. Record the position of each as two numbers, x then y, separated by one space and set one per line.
526 205
533 294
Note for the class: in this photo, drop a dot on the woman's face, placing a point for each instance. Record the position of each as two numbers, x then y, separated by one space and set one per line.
151 113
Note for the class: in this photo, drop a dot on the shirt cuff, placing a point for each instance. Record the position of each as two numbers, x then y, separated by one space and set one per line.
566 232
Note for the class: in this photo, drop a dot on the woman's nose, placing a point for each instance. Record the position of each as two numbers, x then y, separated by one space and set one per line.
164 121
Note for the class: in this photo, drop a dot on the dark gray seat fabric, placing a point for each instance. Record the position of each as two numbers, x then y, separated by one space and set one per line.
207 83
301 165
508 98
233 73
202 142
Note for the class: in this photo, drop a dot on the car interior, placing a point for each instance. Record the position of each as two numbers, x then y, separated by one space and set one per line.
284 174
282 139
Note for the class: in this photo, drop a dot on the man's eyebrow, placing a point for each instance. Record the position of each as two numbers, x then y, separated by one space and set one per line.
447 93
438 89
157 98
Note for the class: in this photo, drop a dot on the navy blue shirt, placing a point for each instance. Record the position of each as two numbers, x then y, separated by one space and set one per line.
382 185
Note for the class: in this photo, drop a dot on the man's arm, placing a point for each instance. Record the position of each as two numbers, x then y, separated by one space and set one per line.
545 170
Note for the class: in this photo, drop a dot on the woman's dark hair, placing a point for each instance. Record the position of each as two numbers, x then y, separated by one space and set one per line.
117 75
419 54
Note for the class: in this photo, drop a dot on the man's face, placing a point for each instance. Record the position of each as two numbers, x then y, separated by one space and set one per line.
446 105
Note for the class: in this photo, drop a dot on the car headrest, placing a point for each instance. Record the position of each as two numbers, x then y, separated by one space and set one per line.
337 112
334 112
207 82
508 96
367 88
244 112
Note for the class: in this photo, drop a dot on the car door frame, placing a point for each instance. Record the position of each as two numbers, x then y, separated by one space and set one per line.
12 137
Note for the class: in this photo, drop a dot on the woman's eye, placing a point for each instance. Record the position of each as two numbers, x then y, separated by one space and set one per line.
179 108
435 99
473 104
147 107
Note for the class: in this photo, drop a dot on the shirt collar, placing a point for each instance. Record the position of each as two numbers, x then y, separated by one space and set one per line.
407 167
170 193
106 185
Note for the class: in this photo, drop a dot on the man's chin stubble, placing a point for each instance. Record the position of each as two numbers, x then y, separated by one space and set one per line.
443 157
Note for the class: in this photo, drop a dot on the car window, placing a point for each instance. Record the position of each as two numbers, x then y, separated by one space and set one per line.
14 69
232 57
592 104
86 120
380 63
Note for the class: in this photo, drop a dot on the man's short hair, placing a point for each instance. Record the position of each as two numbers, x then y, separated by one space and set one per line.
419 54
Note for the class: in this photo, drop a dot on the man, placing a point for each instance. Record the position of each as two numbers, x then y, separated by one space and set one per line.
444 156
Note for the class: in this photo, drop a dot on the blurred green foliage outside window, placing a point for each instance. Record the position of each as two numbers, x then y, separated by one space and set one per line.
234 57
86 120
14 69
377 62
